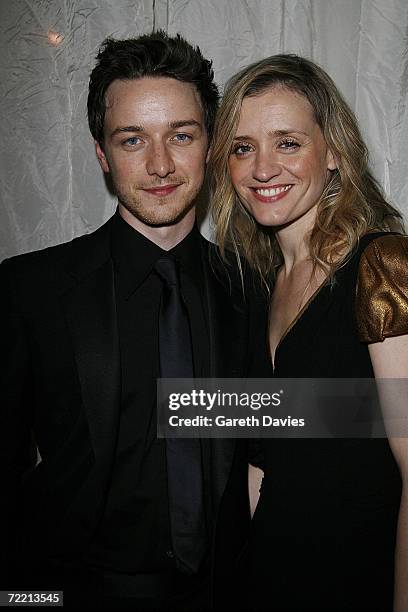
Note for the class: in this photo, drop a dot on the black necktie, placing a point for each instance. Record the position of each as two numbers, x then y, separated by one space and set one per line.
184 469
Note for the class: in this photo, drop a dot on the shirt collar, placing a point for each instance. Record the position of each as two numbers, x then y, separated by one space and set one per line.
135 256
188 254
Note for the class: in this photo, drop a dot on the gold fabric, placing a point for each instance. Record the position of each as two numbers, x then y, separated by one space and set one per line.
382 289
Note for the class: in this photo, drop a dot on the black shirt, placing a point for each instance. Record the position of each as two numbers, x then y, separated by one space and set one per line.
134 533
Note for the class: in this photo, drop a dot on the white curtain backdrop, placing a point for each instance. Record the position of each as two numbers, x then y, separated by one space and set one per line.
52 188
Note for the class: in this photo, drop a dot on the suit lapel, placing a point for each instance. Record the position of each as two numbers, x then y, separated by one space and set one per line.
228 337
228 321
91 314
88 299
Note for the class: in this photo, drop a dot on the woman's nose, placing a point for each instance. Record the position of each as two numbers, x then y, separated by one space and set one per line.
266 166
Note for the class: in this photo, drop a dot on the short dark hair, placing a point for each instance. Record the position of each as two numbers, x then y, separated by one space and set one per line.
150 55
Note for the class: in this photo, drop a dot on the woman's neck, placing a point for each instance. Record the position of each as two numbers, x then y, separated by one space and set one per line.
293 240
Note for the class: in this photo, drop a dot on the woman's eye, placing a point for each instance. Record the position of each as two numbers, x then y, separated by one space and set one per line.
241 149
288 144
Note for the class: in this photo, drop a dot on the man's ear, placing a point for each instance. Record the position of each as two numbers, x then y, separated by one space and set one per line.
101 157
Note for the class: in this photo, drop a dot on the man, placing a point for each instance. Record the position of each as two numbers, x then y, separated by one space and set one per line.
87 333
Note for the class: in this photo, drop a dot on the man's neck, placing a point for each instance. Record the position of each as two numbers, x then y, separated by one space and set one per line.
165 236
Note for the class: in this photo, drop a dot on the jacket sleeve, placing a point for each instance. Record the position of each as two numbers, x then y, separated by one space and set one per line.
16 449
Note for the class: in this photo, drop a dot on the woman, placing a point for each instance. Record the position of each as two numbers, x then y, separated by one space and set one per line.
293 194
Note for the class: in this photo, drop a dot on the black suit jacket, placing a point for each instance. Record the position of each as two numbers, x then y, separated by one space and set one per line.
62 386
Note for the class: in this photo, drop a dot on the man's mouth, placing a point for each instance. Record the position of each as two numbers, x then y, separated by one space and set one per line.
162 190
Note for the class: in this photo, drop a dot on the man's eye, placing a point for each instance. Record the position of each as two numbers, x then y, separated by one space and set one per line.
242 149
182 138
134 140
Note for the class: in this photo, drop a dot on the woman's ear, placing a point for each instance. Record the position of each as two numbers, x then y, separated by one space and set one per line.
101 157
331 160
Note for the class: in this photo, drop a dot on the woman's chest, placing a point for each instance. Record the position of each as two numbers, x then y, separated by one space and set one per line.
323 341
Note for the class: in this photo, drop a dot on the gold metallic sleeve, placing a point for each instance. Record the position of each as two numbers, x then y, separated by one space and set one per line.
382 289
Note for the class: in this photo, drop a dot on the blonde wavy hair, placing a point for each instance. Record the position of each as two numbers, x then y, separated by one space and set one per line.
352 202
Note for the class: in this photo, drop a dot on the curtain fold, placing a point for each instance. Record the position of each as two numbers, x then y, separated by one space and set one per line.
52 188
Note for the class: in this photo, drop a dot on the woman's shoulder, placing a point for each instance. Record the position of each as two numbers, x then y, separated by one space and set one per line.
384 249
382 287
237 276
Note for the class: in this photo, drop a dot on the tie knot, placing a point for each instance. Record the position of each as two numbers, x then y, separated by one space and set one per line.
166 268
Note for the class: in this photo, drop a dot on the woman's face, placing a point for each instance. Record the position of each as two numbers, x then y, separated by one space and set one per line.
280 162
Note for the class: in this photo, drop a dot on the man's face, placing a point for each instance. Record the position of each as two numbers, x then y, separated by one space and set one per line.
155 147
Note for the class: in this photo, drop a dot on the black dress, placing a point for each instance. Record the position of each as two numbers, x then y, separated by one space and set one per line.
324 532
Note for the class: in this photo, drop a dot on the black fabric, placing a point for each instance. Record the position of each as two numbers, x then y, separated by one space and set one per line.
85 588
184 468
62 377
137 503
323 534
175 344
134 533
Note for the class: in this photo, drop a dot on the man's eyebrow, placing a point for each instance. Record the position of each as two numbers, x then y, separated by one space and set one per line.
127 128
174 125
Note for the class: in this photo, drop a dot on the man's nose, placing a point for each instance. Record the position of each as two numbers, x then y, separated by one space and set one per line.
266 166
160 161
